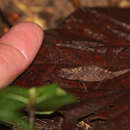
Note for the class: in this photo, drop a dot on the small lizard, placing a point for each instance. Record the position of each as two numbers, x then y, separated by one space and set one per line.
89 73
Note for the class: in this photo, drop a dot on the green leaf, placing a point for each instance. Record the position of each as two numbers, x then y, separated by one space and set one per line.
17 119
49 91
52 97
55 102
44 112
15 93
45 99
11 101
45 92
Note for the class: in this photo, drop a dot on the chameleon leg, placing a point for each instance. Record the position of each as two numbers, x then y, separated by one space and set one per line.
83 86
100 83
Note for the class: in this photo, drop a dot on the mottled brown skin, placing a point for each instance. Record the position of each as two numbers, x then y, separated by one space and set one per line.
89 73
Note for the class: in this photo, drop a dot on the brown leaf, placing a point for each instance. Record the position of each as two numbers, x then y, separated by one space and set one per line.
88 55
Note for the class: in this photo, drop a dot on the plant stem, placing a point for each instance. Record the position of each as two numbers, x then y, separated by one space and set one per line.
31 119
31 108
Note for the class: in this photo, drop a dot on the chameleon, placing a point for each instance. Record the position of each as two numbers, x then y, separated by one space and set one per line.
89 73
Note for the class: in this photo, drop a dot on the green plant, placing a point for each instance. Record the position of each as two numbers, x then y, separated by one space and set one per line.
42 100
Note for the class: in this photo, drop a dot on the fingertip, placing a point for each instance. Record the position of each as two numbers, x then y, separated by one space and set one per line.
18 47
26 37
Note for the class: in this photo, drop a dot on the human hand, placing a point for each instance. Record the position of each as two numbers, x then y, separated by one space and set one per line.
18 47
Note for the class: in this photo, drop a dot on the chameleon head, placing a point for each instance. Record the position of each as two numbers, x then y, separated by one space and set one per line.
69 73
